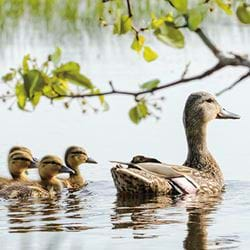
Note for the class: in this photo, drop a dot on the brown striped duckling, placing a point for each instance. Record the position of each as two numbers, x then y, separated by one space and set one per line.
200 172
49 185
20 159
74 157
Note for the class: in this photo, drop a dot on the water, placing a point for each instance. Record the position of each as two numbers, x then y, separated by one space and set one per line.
95 218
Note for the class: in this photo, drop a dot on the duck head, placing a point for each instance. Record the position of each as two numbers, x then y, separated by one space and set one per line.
202 107
19 161
75 156
24 149
50 166
142 159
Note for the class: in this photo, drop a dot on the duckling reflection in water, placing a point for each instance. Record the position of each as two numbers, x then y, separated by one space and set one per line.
74 157
49 167
20 160
200 173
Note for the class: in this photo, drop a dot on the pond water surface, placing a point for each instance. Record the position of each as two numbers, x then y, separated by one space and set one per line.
96 218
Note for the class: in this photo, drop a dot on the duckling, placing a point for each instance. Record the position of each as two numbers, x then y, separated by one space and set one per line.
49 185
200 172
20 159
74 157
49 167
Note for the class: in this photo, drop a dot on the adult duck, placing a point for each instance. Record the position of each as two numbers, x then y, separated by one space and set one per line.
200 172
49 185
74 157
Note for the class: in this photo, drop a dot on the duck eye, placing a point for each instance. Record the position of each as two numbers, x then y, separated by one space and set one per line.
210 100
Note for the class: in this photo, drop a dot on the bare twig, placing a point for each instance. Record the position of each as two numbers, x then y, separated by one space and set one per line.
185 70
129 9
231 86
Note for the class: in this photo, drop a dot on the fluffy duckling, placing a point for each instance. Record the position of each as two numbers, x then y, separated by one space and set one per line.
49 167
20 159
74 157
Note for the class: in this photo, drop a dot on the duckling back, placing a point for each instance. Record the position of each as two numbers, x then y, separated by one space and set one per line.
22 191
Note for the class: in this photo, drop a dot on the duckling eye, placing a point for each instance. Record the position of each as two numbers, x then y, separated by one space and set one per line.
210 100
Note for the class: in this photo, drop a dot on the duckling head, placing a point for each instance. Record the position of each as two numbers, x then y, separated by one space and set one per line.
24 149
202 107
74 156
50 166
19 162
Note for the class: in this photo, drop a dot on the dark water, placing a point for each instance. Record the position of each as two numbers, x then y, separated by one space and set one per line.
97 218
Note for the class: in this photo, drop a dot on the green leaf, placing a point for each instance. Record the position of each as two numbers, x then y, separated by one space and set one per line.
26 59
243 13
149 55
138 43
56 56
60 87
49 92
142 109
139 112
21 96
134 116
170 36
33 82
79 79
9 76
36 98
149 85
122 25
180 5
196 16
71 72
126 24
67 67
225 7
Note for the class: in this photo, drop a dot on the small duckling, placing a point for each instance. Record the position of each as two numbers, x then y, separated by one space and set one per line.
20 159
49 167
74 157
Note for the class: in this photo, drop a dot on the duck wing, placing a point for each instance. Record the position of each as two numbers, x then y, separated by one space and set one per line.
177 176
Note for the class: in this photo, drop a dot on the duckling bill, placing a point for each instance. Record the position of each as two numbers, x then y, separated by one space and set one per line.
200 172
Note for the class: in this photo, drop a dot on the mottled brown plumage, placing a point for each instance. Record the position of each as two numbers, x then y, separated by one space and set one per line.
200 173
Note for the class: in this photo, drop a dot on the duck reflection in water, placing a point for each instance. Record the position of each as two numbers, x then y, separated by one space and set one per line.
53 215
145 213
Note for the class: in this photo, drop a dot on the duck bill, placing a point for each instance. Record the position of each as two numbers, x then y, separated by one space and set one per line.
33 164
35 159
65 169
224 114
90 160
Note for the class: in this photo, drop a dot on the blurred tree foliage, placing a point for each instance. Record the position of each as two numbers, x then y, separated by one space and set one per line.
164 19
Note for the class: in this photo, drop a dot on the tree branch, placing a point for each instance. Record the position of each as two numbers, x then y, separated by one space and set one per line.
143 92
209 43
231 86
